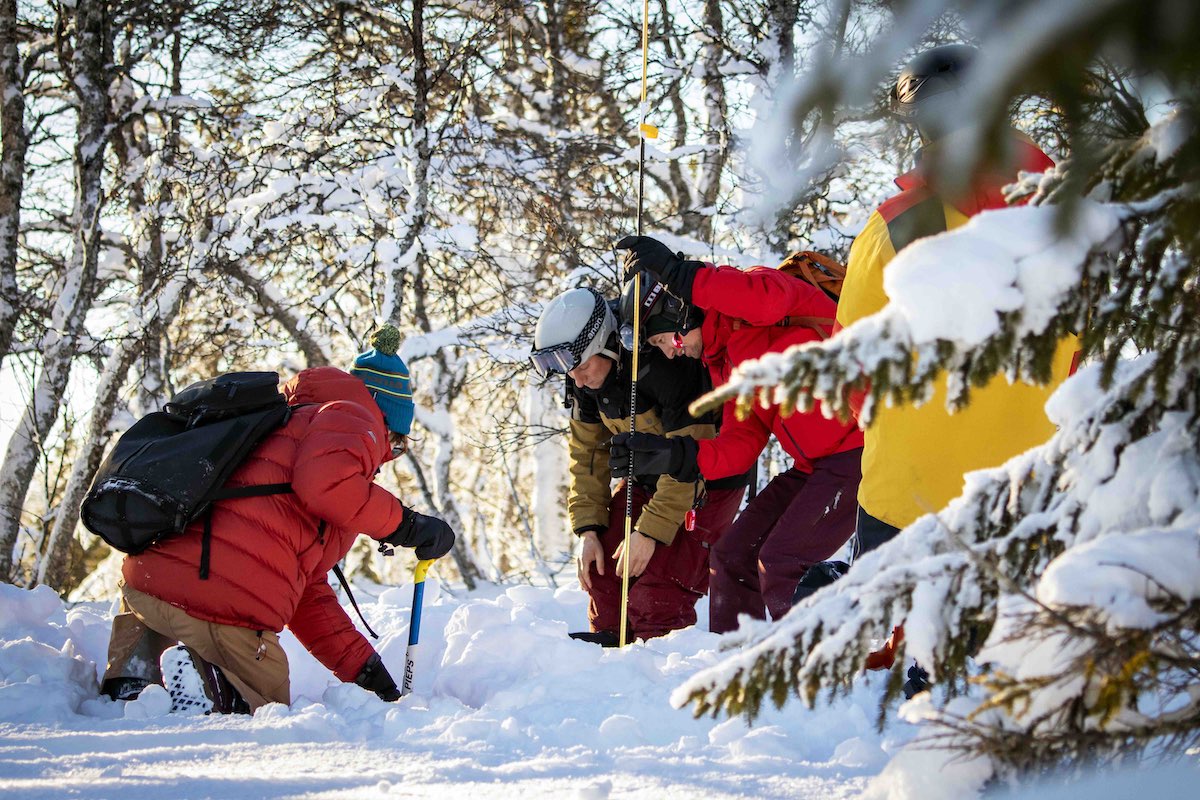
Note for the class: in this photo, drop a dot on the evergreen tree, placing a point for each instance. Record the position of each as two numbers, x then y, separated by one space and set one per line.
1076 564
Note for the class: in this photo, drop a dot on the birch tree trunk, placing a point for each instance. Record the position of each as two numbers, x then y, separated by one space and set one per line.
441 502
87 73
549 456
781 19
55 561
417 208
683 197
716 135
12 169
154 382
155 310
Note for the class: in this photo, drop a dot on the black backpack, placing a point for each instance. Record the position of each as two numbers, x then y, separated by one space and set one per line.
168 468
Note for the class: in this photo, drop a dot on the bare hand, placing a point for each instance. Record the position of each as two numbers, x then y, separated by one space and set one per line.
592 553
641 548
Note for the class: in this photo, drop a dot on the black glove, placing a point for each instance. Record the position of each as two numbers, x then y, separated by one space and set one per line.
431 537
817 576
654 455
655 257
374 677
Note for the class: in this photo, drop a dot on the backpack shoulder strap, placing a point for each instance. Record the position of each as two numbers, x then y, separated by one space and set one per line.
232 493
818 269
818 324
341 576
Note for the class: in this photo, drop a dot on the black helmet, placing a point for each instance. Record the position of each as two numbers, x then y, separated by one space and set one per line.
661 311
927 88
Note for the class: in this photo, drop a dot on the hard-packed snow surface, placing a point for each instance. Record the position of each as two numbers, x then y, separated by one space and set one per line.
504 703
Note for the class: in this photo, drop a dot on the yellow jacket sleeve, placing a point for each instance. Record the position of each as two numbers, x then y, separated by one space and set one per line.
862 292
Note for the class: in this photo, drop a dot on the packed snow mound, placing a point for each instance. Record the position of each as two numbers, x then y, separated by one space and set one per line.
47 666
501 694
504 703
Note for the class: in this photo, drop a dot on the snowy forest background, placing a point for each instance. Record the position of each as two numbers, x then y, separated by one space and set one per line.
197 187
193 188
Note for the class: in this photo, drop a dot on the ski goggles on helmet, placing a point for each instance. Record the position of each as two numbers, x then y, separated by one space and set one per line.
626 336
559 358
591 339
908 89
652 293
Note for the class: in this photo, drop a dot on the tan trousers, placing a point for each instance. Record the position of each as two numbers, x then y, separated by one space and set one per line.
254 662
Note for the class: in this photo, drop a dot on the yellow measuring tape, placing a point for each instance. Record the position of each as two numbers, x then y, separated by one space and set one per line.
646 131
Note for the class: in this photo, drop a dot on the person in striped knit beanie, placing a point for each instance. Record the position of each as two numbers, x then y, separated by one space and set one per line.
387 378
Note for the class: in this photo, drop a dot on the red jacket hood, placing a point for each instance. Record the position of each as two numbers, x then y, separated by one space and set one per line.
326 384
321 385
984 191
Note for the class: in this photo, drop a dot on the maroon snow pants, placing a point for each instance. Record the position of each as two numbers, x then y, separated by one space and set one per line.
798 520
663 598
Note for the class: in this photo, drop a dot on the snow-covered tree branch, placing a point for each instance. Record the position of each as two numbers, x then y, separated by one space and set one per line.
1058 592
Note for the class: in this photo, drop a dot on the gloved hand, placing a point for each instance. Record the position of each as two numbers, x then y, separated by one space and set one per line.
374 677
654 455
817 576
431 537
668 268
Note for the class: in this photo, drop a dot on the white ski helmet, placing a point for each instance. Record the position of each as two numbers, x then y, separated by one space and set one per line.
573 327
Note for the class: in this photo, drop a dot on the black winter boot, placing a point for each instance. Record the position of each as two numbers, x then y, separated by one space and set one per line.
818 575
918 681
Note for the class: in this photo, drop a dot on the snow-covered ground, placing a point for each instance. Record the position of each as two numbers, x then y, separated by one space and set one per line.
504 704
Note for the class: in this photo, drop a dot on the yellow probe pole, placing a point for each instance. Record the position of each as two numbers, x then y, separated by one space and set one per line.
645 132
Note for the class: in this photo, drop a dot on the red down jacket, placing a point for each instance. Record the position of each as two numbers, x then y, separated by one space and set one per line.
268 564
741 308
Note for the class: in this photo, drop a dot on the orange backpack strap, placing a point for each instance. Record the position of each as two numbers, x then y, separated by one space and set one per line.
815 268
818 324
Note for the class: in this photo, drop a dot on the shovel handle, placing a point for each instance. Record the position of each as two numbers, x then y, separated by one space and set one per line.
414 624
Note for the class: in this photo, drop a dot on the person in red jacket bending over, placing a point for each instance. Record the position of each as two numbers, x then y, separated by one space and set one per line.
724 316
271 555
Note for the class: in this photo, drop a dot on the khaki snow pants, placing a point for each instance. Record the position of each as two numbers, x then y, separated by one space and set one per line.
253 661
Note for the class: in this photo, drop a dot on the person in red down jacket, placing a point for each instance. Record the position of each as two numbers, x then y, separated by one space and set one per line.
270 555
726 316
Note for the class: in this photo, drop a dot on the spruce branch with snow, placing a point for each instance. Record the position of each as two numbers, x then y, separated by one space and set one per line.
1073 565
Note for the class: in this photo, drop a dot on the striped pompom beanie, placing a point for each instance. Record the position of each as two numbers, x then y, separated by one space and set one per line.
386 377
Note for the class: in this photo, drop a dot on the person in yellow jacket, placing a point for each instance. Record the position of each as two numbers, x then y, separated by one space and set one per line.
915 457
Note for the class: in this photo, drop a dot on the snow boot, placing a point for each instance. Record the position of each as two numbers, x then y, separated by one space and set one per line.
918 681
602 638
817 576
198 687
124 688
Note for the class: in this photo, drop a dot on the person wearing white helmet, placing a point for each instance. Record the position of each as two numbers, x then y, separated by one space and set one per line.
675 522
